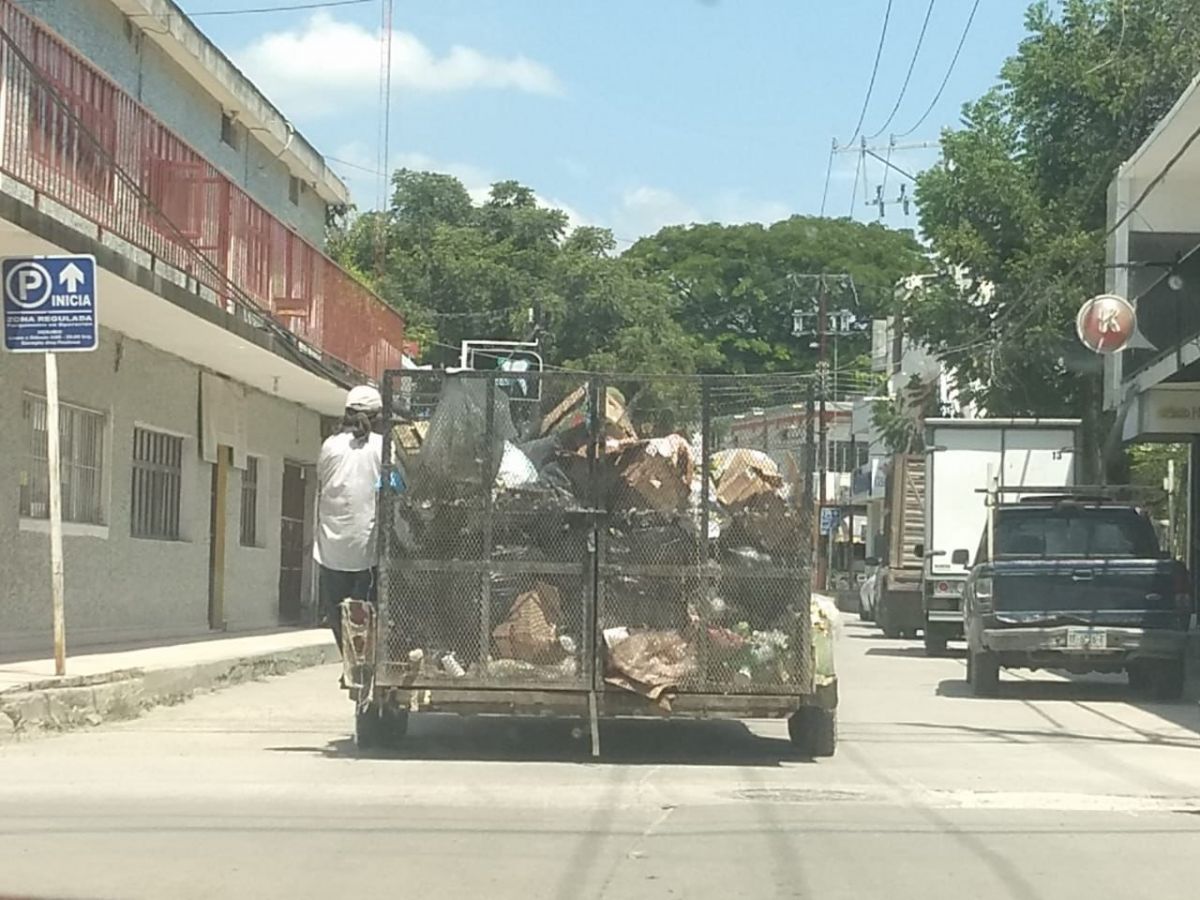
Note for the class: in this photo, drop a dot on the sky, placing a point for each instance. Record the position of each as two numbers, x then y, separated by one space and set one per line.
630 114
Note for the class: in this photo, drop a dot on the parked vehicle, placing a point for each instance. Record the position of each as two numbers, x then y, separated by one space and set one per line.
961 456
898 610
1076 582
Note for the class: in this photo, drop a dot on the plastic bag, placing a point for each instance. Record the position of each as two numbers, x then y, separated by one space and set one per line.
515 468
457 445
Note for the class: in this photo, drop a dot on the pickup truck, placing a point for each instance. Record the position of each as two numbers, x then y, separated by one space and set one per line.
1078 584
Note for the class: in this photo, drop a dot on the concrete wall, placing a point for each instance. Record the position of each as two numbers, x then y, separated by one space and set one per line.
118 587
102 34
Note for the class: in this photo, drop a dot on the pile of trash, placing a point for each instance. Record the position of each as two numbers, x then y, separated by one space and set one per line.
690 585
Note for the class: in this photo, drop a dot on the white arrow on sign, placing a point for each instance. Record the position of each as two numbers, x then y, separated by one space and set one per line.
71 277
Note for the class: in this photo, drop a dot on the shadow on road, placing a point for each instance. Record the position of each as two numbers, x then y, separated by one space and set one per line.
1078 690
872 635
1037 735
433 736
1081 690
915 652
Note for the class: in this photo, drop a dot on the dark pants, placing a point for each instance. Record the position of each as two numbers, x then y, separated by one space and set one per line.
335 586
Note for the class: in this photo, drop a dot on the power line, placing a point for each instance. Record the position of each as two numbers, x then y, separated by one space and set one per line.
887 15
949 71
288 7
288 340
1034 308
360 167
385 116
854 187
252 10
995 337
912 64
828 175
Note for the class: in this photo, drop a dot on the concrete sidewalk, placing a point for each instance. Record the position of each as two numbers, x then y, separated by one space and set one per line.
121 683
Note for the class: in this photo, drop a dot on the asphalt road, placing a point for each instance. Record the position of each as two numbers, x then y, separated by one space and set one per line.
1057 789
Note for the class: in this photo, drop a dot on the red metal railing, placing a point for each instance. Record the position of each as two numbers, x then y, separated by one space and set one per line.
114 164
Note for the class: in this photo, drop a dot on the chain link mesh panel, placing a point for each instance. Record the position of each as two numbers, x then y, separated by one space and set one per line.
705 544
645 533
486 565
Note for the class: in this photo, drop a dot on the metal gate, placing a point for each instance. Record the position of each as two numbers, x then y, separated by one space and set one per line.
572 531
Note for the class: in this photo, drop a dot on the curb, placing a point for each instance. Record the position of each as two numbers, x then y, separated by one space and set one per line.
64 704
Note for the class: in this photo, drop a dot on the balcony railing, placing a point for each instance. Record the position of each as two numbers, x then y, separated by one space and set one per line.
71 135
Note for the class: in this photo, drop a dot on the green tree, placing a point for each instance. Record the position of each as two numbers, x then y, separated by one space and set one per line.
1015 211
506 269
737 285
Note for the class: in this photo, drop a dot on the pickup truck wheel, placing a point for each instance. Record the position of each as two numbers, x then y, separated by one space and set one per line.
1167 679
935 644
884 618
1139 676
983 672
813 731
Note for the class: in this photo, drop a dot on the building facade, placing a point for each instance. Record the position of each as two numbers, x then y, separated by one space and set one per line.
1153 257
227 336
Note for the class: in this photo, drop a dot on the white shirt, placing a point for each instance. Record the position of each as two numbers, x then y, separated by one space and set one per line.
348 472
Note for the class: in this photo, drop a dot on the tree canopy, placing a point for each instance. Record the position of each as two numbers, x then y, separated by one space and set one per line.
507 269
691 298
1015 211
737 285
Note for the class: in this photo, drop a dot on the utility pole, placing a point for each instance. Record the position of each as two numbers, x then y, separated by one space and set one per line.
823 382
883 155
821 331
822 430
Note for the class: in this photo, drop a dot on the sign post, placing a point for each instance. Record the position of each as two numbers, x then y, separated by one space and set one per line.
54 462
50 307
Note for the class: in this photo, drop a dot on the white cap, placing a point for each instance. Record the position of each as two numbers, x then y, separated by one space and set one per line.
364 398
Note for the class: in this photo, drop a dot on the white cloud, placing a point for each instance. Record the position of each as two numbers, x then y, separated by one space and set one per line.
476 179
645 210
735 208
324 64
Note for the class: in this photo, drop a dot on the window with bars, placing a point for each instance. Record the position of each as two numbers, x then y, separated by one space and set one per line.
845 456
81 448
250 503
157 479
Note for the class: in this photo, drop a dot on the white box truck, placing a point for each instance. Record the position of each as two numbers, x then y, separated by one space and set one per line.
959 456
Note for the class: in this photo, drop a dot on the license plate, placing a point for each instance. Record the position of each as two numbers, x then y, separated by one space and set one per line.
1086 639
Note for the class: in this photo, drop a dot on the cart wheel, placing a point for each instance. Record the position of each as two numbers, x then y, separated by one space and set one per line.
368 727
983 672
393 726
813 730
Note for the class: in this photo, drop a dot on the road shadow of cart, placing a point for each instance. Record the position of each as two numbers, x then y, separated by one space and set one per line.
1100 695
433 736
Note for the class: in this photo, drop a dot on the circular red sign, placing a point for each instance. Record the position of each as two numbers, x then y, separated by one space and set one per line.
1105 323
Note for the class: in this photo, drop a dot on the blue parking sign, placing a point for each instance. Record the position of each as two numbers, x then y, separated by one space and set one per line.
49 303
